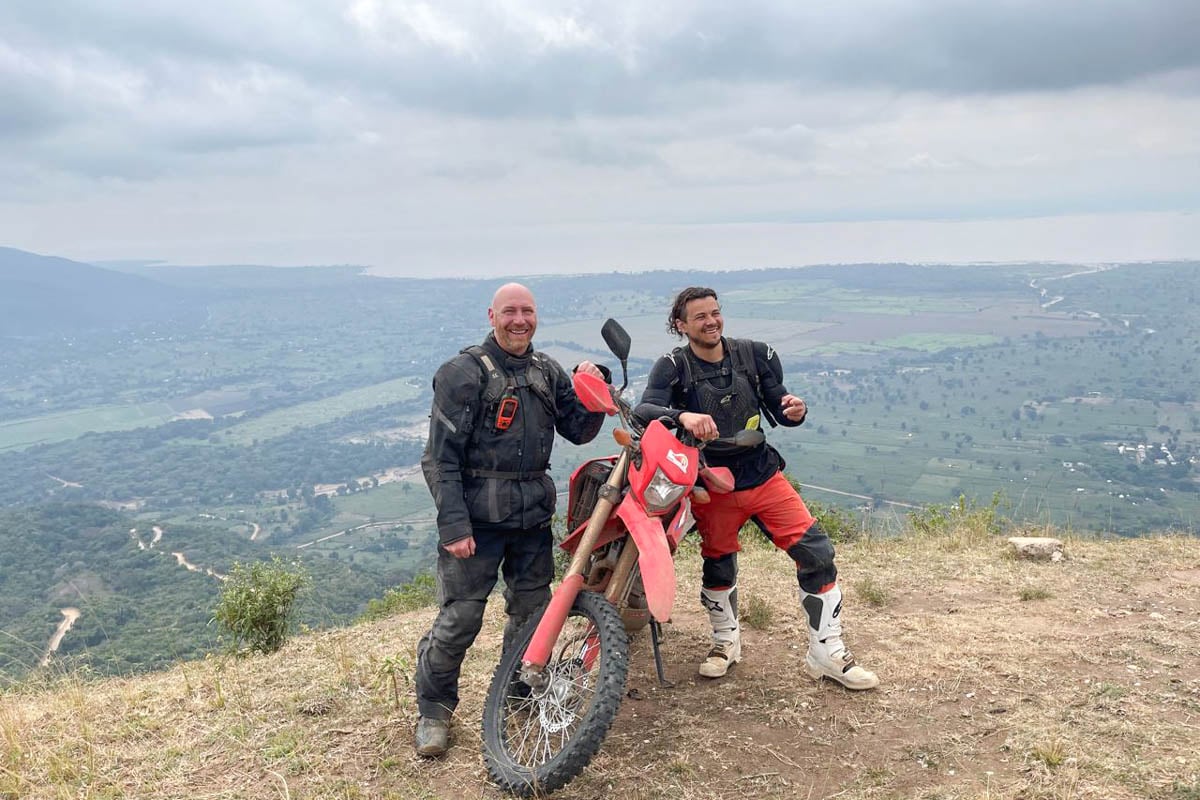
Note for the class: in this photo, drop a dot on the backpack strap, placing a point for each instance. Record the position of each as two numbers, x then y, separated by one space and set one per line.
538 377
684 375
497 380
500 383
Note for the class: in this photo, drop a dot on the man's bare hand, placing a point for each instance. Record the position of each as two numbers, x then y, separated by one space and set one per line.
463 548
793 407
702 426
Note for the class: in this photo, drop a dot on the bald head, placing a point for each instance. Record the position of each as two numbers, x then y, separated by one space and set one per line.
513 316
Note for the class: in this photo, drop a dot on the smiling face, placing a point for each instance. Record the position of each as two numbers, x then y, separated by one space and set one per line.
513 316
702 324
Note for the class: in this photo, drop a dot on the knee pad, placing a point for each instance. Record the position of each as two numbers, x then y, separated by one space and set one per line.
813 551
814 557
719 572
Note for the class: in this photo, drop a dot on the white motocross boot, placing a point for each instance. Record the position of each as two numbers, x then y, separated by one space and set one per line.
726 651
828 656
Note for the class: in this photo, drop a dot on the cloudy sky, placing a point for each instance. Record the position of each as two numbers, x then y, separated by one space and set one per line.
524 136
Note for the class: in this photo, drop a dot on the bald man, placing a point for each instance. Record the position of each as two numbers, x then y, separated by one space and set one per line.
496 407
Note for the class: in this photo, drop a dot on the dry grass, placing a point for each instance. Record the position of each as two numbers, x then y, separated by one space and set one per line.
1091 692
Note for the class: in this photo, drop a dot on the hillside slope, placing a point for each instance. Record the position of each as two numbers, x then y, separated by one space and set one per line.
1002 679
42 295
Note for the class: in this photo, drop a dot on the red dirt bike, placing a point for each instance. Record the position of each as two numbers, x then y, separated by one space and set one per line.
557 689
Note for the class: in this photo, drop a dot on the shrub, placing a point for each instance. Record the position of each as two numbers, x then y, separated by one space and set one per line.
837 523
870 590
420 592
258 602
756 613
961 523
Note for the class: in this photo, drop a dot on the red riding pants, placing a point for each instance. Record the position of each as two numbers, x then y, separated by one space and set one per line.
774 505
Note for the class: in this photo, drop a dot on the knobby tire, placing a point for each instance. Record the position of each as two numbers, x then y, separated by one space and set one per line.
536 742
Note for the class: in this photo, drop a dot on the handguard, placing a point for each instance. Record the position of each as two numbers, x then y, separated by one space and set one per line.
594 393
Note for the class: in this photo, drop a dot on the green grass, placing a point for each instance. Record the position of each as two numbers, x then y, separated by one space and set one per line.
303 415
389 501
828 298
21 433
933 342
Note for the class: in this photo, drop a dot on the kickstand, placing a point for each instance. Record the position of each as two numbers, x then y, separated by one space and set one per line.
655 635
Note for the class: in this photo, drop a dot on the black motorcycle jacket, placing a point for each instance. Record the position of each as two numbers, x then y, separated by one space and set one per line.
486 459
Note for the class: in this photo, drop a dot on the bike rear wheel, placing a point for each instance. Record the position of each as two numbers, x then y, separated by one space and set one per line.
535 740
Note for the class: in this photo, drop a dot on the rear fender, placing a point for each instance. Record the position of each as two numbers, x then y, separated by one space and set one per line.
654 557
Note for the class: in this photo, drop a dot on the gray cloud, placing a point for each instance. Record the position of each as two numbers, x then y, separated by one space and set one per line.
939 45
453 114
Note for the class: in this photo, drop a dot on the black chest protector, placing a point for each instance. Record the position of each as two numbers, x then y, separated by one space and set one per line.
731 403
728 392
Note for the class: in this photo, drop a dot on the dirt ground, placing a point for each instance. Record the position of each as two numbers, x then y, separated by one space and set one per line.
1001 678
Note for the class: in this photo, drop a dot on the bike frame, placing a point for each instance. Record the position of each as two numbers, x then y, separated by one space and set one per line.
650 545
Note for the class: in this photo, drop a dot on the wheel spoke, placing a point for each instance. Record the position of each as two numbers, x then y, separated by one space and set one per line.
563 718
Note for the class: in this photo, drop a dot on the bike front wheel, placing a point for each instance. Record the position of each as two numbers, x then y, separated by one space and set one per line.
537 739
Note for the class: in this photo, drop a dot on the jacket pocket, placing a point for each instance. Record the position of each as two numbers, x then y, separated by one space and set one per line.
489 500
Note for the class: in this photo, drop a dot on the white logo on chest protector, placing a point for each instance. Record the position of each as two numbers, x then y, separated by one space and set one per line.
678 459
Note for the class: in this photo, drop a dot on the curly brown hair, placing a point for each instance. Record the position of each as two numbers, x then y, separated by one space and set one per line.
679 308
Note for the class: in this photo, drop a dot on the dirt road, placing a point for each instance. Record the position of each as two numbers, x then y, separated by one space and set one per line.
69 617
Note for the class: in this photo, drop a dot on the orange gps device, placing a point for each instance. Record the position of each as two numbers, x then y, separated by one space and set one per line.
506 413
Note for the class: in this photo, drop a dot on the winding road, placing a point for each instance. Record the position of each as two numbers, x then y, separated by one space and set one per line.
69 617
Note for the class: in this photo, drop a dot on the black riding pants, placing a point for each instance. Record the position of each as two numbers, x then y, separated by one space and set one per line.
526 560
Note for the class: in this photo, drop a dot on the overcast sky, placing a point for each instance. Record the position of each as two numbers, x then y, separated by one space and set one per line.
510 138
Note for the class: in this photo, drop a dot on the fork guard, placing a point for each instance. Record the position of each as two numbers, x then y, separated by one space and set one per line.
654 557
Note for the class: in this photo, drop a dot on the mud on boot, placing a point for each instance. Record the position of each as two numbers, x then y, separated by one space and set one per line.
828 656
720 658
721 605
433 737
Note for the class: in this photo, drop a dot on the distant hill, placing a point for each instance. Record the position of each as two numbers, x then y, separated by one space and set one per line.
41 295
242 276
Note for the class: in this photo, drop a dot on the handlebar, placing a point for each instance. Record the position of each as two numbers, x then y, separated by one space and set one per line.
726 445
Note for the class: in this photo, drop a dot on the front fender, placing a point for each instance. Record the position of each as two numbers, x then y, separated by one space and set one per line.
654 557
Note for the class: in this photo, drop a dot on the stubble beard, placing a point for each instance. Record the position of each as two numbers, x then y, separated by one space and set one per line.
702 346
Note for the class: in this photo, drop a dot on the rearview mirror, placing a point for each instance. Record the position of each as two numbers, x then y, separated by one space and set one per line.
616 338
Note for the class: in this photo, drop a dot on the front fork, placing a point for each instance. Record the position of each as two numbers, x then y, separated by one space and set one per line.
537 655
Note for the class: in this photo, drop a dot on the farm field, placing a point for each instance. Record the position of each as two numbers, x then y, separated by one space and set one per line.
315 412
21 433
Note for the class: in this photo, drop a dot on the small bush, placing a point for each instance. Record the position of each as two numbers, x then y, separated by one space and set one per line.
837 523
868 589
420 592
1034 593
258 602
1052 754
960 524
756 613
